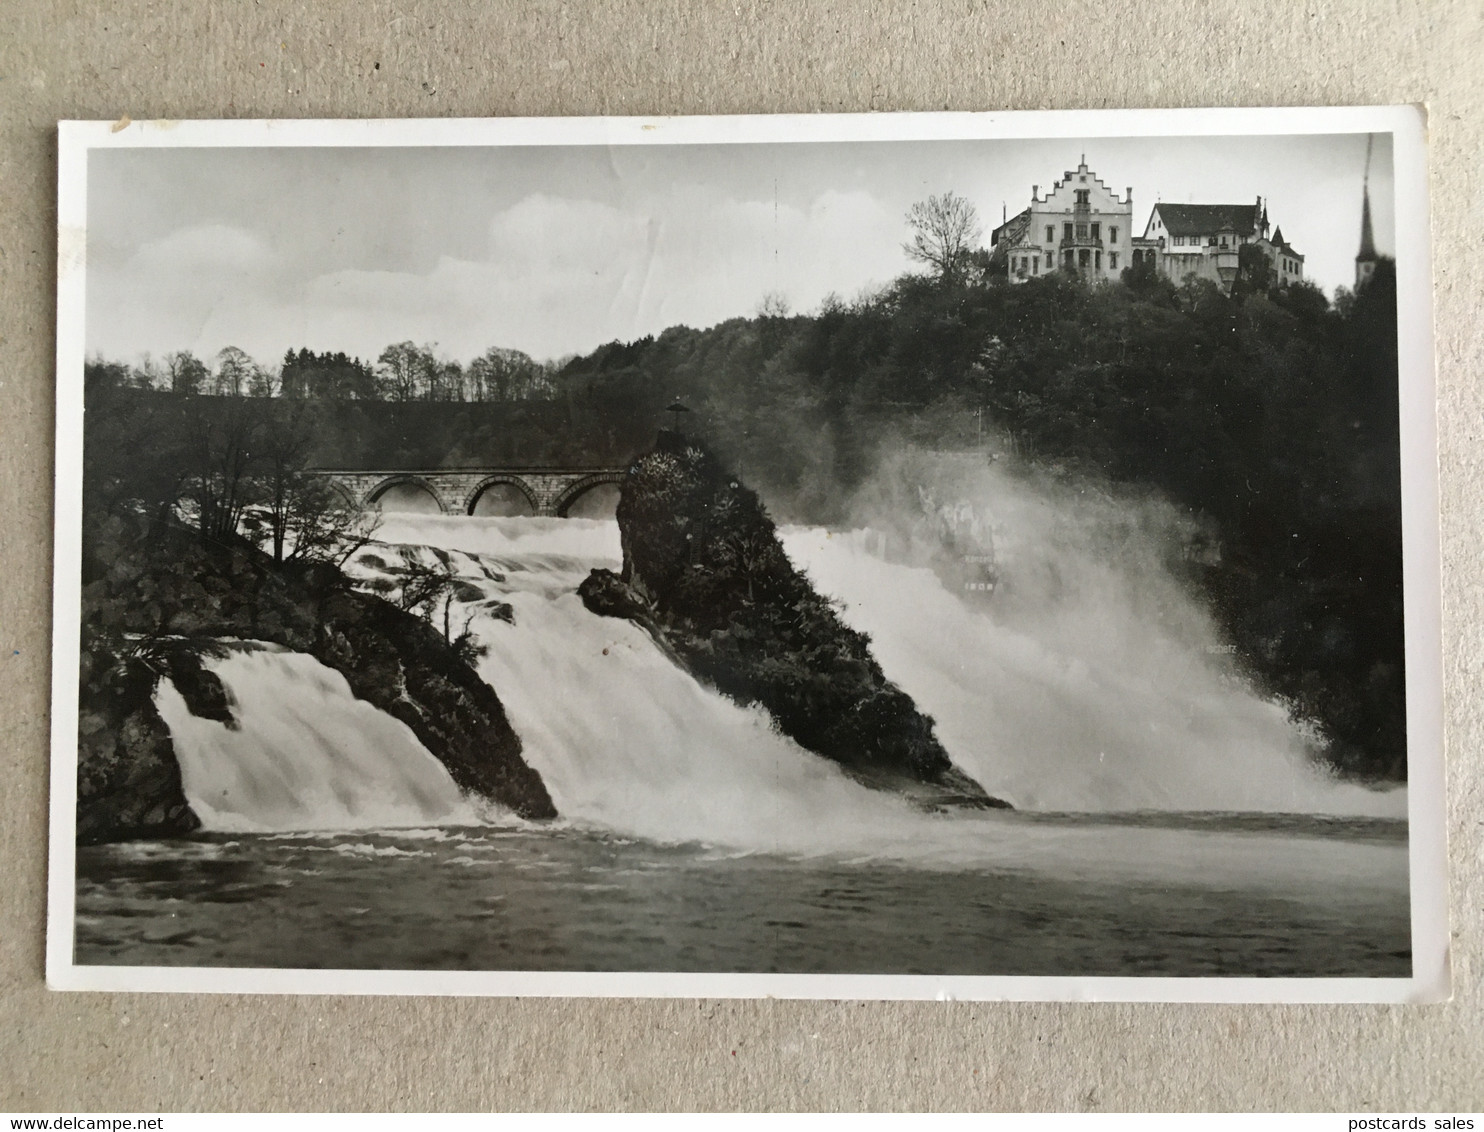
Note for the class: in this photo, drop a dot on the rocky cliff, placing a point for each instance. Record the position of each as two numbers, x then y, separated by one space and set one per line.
705 574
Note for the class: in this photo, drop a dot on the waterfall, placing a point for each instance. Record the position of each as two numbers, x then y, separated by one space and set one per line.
1111 695
1094 705
624 739
631 745
305 754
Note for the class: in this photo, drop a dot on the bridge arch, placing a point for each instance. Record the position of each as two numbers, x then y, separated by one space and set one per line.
374 494
345 493
579 488
515 481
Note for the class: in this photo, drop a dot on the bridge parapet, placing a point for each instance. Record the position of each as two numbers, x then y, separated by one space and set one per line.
548 491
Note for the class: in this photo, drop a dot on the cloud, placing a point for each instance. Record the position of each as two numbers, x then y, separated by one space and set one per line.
555 275
204 247
170 291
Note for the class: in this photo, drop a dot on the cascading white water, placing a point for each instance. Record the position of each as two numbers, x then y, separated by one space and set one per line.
622 737
305 754
1105 709
1092 683
629 743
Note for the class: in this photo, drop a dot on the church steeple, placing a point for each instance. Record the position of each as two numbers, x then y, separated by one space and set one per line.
1365 261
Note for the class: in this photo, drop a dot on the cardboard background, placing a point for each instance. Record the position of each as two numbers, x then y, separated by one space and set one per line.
167 58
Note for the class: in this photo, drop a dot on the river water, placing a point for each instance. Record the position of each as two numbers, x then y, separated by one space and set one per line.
1167 821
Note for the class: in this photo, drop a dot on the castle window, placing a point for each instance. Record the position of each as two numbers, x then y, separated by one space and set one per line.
1112 261
1113 234
1082 195
1067 257
1082 231
1066 231
1097 259
1084 258
1097 231
1051 233
1035 265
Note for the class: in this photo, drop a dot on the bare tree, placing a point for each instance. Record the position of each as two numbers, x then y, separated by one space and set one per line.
235 371
501 374
298 516
945 229
266 381
430 591
222 485
185 372
407 371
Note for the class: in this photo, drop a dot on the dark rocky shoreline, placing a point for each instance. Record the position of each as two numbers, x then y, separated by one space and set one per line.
155 614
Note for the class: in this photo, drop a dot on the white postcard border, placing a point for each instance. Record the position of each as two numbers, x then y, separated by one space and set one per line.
1427 814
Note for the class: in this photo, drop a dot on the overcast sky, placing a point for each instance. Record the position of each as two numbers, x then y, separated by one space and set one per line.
555 250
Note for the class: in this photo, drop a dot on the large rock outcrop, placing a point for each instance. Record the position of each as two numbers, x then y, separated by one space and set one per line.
128 782
705 574
401 664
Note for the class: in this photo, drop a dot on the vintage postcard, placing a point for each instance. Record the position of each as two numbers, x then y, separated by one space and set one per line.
946 555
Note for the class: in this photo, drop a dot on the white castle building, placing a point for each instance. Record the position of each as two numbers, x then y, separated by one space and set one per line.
1080 224
1084 226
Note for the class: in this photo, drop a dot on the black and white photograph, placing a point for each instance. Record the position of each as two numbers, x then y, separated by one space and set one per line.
885 556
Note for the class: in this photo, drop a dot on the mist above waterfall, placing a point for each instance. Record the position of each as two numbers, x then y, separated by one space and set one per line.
1090 678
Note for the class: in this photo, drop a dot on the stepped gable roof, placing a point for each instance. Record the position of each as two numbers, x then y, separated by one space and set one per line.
1084 173
1204 219
1012 231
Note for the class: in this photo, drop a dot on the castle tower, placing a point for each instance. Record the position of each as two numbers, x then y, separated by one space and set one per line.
1365 260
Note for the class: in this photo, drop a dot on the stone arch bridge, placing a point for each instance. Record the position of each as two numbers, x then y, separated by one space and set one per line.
548 491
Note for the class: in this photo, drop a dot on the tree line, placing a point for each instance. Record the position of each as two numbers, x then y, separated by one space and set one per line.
404 371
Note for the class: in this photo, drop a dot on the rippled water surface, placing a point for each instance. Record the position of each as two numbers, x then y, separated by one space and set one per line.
483 898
